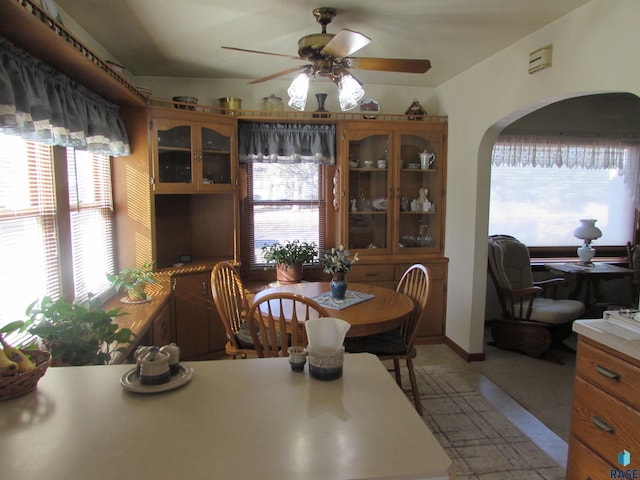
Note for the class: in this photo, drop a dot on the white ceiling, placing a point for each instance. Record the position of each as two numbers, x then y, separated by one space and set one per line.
182 38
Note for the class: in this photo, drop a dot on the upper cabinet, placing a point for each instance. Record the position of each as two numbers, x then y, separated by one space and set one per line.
193 156
392 177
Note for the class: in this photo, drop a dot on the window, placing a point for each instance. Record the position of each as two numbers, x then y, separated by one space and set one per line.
91 213
52 243
286 202
541 203
28 230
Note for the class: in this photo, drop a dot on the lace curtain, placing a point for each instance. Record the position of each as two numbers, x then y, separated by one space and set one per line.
622 154
40 104
287 143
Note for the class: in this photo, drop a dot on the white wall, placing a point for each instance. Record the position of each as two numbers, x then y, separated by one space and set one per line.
595 50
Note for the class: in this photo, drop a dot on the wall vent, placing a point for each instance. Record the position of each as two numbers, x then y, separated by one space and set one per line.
540 59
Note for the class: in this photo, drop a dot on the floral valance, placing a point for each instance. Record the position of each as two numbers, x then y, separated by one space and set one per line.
39 103
268 142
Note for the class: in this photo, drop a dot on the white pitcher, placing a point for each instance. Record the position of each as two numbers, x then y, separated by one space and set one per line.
426 159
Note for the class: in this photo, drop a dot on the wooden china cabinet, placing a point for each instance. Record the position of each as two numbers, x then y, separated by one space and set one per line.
392 210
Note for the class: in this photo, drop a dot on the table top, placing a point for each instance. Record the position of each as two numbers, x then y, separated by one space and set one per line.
384 311
253 418
597 268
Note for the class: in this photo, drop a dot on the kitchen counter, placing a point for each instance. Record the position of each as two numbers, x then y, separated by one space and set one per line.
251 418
609 335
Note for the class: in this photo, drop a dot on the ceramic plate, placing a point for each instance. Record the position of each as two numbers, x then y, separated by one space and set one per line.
370 106
131 381
413 166
126 300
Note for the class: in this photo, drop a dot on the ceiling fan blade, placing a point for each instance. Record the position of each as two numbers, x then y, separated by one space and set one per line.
401 65
262 53
279 74
344 43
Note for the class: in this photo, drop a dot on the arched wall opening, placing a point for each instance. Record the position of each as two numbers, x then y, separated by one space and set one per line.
613 114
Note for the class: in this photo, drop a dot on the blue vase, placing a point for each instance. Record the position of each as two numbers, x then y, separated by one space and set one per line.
338 286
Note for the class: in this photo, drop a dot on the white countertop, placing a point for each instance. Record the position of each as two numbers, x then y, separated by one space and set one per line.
613 336
251 418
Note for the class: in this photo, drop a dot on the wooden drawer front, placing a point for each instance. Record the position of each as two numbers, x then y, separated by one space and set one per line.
436 271
371 273
614 375
592 405
584 464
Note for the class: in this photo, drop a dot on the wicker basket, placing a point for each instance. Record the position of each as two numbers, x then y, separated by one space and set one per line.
23 383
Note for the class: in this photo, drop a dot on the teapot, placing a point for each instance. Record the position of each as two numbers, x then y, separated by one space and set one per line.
154 367
426 159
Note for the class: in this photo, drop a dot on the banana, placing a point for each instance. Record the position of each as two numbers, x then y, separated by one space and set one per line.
15 355
7 367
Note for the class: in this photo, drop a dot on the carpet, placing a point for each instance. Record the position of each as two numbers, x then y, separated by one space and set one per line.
542 387
480 441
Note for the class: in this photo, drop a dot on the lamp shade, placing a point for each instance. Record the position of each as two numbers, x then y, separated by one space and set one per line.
587 230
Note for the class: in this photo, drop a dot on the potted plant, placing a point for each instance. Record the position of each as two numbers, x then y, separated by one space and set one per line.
76 333
288 258
338 263
134 281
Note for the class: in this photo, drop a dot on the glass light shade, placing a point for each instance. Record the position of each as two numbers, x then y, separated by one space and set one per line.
298 91
350 91
587 231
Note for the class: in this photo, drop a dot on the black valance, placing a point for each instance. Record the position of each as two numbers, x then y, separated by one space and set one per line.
40 104
269 142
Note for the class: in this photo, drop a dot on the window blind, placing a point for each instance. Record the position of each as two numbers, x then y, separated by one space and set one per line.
91 215
28 236
286 202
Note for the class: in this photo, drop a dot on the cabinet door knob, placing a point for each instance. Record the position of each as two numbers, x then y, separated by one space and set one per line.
602 425
605 372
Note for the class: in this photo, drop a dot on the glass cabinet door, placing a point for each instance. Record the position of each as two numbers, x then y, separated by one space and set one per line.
369 185
174 154
216 157
419 190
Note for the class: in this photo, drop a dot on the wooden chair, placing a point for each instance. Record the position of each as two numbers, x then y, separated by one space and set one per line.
532 323
399 344
232 304
276 321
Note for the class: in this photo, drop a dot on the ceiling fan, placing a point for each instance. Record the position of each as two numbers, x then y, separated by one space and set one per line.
329 56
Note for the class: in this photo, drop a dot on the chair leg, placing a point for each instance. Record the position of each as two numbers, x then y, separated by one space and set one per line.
396 369
414 386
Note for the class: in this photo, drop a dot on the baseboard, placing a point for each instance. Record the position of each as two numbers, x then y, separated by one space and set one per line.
468 357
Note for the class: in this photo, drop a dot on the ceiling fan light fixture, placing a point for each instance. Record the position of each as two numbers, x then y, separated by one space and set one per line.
298 90
350 92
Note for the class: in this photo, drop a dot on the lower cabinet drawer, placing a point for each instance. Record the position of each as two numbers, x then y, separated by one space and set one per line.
603 423
584 464
614 375
370 273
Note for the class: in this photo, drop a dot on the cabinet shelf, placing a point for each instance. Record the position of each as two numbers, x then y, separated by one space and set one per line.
430 212
369 212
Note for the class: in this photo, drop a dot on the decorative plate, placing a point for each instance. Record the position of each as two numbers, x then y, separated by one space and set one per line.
131 381
379 204
413 166
371 106
134 302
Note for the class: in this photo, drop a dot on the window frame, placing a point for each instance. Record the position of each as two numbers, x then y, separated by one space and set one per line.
327 226
62 223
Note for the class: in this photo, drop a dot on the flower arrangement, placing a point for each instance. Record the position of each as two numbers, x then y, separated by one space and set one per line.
337 260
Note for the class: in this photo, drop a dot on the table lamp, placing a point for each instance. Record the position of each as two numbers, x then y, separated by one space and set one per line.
587 231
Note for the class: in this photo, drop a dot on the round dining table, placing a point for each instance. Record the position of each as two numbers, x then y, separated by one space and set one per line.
384 311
